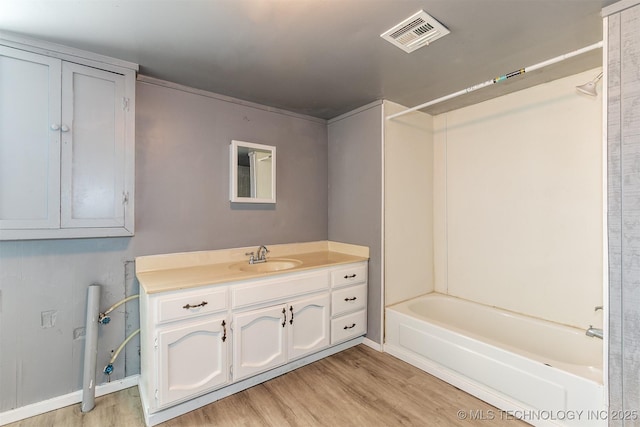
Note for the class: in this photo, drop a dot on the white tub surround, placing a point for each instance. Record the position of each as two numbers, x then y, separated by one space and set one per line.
542 372
209 328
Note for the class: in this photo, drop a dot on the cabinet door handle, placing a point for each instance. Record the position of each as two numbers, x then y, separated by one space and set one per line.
353 325
64 128
350 276
284 315
55 126
188 306
224 331
350 299
291 310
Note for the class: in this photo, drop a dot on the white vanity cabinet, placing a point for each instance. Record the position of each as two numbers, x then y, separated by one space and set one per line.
192 358
206 342
272 336
66 144
184 344
348 302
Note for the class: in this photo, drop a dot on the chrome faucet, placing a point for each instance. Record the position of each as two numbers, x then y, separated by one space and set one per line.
262 253
260 257
594 332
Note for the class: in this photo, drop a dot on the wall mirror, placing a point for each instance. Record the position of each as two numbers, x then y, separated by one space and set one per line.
253 173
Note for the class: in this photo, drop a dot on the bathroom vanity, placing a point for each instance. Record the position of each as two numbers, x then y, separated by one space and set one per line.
212 324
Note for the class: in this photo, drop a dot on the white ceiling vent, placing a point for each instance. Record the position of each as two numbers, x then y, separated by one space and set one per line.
414 32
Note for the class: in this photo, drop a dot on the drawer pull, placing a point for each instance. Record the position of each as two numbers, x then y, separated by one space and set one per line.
284 320
350 299
353 325
291 310
224 331
188 306
350 276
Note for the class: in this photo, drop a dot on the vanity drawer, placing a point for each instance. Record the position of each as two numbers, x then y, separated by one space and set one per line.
348 299
349 275
190 304
349 326
280 289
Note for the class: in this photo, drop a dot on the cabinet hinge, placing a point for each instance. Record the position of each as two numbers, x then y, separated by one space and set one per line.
125 104
125 197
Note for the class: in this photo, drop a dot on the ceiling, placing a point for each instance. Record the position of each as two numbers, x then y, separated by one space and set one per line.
323 57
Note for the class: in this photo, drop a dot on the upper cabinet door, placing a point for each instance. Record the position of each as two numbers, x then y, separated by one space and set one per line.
67 143
29 140
93 148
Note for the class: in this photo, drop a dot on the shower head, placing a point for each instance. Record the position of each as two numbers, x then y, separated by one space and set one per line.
589 88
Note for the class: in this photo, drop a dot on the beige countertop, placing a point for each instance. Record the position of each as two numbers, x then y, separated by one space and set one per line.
170 272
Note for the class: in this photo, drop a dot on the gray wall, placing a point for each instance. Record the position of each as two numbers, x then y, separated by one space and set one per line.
182 204
623 132
182 174
43 287
355 195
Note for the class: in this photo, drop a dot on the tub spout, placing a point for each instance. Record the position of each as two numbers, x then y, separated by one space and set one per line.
594 332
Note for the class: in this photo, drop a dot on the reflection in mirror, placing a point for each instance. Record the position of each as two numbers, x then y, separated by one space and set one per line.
252 173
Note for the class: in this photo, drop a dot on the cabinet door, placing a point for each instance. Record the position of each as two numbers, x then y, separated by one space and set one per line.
93 148
192 359
29 140
309 322
259 340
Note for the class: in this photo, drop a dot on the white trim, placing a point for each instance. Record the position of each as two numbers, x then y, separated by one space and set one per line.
65 52
176 86
354 112
383 291
65 233
58 402
372 344
619 7
605 201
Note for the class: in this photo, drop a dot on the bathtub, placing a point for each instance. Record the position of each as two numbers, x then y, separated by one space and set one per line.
542 372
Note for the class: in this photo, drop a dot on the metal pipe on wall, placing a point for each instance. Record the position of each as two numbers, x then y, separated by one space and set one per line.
499 79
90 348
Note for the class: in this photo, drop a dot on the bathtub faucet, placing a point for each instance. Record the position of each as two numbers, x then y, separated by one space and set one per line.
594 332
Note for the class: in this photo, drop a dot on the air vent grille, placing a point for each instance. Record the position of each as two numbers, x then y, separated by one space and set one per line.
414 32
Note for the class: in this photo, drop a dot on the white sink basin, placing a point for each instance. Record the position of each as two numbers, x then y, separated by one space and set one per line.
274 264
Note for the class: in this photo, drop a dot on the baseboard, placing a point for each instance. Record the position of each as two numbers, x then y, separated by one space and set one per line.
374 345
65 400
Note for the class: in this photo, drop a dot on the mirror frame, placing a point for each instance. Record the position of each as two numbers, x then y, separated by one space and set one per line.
233 168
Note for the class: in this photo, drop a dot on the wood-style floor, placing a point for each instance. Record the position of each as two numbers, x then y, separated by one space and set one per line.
357 387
